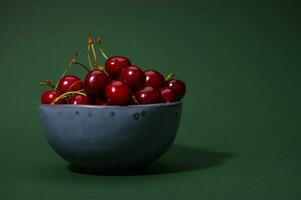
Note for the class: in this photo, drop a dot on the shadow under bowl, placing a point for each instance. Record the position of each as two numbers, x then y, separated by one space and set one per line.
110 138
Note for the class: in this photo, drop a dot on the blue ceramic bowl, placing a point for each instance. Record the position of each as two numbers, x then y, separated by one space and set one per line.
108 138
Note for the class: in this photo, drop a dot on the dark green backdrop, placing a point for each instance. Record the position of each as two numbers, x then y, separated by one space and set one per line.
240 132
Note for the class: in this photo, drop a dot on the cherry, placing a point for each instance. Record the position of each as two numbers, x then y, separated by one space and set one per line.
78 99
98 100
94 97
115 64
178 87
49 96
102 103
154 79
118 93
117 83
132 76
167 95
69 83
148 95
95 82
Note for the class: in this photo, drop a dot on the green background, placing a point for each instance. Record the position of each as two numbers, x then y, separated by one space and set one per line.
240 131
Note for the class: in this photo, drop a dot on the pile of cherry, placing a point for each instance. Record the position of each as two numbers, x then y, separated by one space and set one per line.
117 83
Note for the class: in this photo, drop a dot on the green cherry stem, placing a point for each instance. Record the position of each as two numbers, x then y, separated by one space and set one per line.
170 76
89 57
66 95
66 70
47 83
135 99
94 54
103 53
91 47
74 84
99 40
80 64
72 62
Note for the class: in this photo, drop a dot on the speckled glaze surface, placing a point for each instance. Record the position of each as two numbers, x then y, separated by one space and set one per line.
109 138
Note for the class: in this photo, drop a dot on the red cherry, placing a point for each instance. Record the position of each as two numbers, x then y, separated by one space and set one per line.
118 93
49 96
148 95
94 97
95 82
102 103
115 64
78 99
69 83
167 95
132 76
154 79
178 87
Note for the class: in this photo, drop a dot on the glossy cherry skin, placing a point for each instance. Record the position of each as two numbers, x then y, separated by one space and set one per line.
78 99
102 103
118 93
148 95
167 95
69 83
95 82
132 76
178 87
154 79
93 98
115 64
49 96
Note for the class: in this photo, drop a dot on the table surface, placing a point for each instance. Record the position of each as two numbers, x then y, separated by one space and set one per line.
239 136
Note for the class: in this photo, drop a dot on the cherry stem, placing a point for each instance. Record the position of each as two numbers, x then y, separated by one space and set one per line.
89 57
66 95
73 84
99 40
91 47
48 83
94 55
103 53
66 70
72 62
80 64
135 99
170 77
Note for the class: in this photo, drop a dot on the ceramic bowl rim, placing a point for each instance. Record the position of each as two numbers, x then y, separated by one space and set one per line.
111 106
